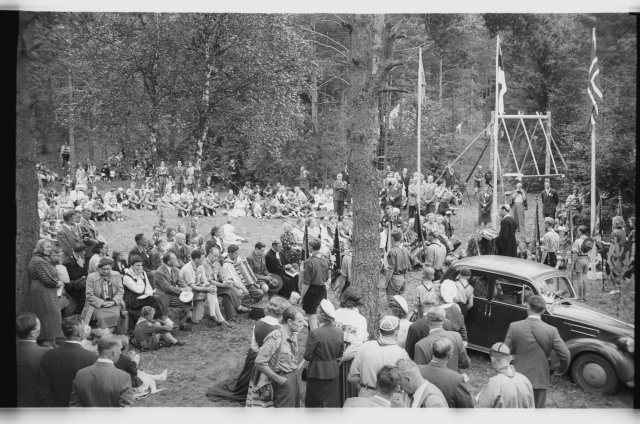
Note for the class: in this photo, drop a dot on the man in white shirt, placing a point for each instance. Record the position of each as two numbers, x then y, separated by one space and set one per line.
301 198
423 393
375 354
194 276
65 152
581 262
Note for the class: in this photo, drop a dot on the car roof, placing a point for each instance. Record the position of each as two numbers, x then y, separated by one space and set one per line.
509 267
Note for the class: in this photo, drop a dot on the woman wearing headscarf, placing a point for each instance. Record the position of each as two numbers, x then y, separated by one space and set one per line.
354 328
276 363
449 293
400 309
323 352
235 389
44 288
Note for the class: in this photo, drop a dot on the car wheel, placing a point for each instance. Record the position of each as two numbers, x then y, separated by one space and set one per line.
594 374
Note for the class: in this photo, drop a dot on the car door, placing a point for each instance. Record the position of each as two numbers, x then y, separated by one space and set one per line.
506 305
477 318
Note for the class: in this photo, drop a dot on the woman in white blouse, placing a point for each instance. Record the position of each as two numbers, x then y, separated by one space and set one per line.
137 290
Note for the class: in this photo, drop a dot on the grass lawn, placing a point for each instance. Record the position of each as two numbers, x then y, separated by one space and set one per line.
213 354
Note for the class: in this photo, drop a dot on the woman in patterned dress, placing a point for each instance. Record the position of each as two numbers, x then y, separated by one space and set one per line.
44 287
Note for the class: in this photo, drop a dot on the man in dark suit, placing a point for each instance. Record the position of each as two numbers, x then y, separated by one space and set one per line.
549 200
102 384
424 348
531 341
76 288
419 330
394 194
69 234
450 383
29 357
506 241
406 180
277 264
60 365
169 286
181 250
140 249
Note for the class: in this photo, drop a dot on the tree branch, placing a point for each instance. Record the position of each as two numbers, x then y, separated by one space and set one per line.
322 35
331 47
394 90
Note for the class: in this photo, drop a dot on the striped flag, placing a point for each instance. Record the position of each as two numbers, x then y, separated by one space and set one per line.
502 85
593 88
422 83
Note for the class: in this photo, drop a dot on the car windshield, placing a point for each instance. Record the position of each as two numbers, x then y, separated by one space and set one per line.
556 288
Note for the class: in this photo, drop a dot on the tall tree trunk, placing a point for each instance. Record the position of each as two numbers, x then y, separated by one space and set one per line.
27 225
72 142
369 52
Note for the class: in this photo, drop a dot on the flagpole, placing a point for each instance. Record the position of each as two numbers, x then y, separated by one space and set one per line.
593 180
494 207
419 127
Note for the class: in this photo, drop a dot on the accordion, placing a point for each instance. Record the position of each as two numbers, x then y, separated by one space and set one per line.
245 273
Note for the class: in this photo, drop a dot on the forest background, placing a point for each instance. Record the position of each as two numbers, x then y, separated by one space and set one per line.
277 91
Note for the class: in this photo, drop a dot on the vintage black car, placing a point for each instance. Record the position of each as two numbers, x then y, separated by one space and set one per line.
601 347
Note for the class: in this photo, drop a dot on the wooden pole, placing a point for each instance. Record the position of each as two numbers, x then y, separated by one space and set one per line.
72 143
420 126
547 156
593 192
494 206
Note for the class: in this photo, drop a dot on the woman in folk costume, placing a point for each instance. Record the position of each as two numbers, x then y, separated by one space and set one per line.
138 293
519 204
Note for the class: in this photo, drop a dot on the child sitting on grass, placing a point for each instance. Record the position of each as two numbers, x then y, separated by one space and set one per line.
151 334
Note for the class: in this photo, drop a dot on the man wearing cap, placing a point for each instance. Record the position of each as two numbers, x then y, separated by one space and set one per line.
258 264
387 385
549 200
375 354
435 254
550 243
314 289
506 240
532 341
507 389
76 288
398 263
104 297
580 259
450 383
424 348
279 265
169 287
423 393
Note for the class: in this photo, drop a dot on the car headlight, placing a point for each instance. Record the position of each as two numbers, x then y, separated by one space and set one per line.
627 344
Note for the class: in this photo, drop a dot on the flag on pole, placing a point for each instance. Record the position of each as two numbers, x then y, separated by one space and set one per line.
305 245
417 227
336 249
593 88
422 83
502 85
